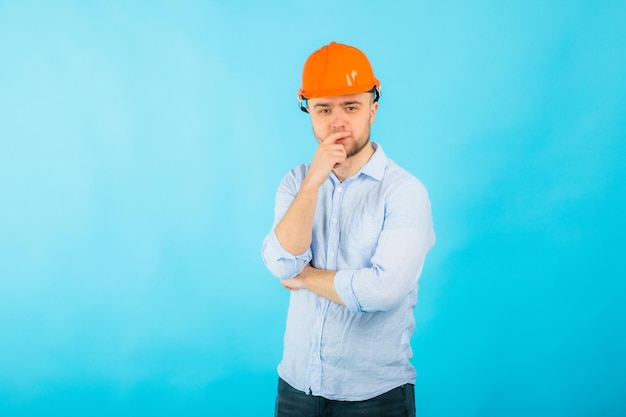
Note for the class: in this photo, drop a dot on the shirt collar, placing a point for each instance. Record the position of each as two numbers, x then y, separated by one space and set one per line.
374 168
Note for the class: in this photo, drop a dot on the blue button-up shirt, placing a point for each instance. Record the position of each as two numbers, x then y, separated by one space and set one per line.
375 230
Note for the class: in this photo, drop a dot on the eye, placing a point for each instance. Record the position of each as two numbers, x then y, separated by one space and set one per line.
324 111
351 109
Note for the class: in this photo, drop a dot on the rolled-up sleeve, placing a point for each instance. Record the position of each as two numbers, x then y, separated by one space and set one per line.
279 261
405 240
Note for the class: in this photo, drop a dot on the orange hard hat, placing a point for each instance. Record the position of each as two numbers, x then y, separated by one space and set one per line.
335 70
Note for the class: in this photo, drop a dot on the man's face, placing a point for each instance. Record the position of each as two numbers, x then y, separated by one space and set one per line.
352 114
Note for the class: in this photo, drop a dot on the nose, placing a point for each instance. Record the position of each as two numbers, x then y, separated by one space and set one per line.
338 122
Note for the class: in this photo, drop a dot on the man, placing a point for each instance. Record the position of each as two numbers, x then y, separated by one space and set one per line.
350 236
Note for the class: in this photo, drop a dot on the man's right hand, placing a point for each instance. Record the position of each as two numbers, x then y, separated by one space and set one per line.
294 231
329 155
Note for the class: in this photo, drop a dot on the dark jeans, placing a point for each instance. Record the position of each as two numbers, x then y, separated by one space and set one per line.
399 402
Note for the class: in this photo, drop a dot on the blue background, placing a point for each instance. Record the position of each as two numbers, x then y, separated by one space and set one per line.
141 144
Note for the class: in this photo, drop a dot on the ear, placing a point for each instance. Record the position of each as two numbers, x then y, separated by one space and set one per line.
373 109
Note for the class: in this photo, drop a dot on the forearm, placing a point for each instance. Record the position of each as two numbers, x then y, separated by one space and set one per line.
318 281
294 231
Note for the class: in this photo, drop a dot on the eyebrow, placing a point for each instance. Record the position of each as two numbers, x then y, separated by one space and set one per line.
345 103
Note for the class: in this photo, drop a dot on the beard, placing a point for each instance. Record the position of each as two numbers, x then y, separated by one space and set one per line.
358 146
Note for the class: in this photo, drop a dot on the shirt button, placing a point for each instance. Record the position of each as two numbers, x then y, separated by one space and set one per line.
334 221
339 190
331 254
319 320
314 354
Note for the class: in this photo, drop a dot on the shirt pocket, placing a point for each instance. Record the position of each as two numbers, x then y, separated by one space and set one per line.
360 235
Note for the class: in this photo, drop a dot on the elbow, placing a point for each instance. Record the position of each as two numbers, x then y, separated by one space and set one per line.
281 269
279 262
278 265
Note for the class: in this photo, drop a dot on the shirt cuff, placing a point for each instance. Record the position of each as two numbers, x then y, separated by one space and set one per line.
281 263
343 286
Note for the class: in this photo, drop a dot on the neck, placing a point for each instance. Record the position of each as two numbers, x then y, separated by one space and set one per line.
353 164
